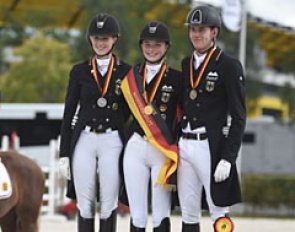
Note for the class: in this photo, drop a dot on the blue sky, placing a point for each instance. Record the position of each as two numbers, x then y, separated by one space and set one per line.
279 11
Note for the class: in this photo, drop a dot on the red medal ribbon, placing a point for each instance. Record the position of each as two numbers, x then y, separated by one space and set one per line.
96 75
195 83
150 98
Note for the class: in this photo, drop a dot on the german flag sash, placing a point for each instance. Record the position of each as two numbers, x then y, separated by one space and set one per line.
153 125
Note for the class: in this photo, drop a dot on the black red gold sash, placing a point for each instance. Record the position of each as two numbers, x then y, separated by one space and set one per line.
154 126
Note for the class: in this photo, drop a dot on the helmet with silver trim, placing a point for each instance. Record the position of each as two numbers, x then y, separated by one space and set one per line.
203 16
103 24
155 31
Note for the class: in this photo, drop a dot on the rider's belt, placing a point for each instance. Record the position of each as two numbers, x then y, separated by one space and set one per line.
97 131
198 136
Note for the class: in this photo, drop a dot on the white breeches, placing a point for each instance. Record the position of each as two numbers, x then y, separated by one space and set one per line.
194 172
141 161
96 156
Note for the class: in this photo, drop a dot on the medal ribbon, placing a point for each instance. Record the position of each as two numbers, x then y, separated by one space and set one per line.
195 83
96 75
150 98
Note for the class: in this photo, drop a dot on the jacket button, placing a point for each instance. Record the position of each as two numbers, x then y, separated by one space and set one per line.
94 120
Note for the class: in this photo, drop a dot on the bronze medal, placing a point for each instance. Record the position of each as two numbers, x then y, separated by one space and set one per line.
148 110
193 94
102 102
194 82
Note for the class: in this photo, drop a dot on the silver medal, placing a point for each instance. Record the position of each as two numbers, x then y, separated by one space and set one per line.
101 102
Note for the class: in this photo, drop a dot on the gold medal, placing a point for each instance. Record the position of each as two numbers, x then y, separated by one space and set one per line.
193 94
148 110
223 224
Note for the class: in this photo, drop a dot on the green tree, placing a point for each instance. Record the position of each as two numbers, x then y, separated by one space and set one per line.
42 75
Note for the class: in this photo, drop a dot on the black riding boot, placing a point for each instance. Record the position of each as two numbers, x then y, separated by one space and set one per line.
164 226
195 227
135 229
109 224
85 224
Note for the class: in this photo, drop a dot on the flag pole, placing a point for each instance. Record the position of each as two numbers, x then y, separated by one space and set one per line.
242 58
243 34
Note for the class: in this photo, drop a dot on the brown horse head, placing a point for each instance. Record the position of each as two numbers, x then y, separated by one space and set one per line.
20 211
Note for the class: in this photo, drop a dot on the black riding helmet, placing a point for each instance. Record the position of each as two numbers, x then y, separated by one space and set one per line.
103 24
155 31
203 16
